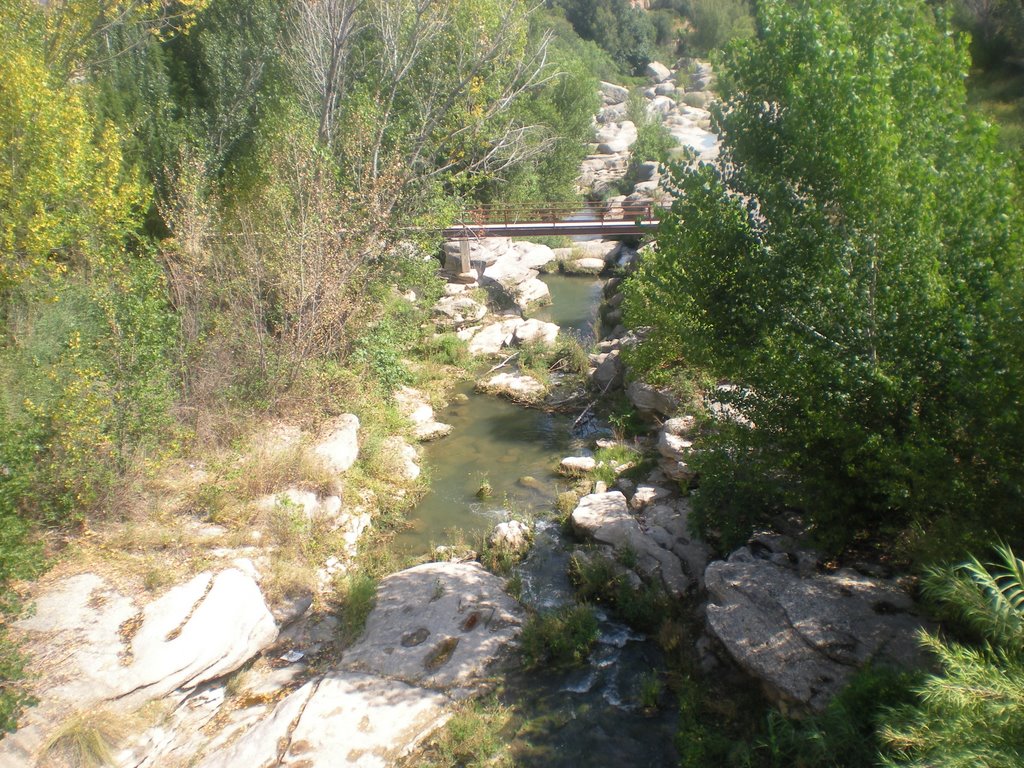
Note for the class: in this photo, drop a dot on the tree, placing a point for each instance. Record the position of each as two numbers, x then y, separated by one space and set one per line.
627 33
852 267
972 713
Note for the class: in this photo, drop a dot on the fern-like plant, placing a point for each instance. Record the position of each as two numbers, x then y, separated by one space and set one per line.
972 713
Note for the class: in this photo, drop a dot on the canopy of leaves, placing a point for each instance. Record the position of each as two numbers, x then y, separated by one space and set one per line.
972 713
852 267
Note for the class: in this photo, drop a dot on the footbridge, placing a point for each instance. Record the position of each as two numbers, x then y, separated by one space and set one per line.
608 219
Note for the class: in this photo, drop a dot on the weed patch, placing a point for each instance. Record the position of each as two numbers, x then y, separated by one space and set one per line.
561 637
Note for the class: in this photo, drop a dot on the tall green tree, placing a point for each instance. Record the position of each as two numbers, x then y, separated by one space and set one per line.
852 266
627 33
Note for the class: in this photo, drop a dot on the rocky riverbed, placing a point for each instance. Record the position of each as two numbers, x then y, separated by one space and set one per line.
212 673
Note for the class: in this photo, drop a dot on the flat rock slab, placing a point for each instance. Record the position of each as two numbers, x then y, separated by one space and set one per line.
804 637
93 646
517 387
437 625
196 632
342 719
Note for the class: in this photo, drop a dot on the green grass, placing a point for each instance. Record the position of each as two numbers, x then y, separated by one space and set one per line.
474 737
355 594
562 637
999 94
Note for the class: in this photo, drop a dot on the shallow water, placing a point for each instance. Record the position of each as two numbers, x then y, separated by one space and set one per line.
512 448
574 303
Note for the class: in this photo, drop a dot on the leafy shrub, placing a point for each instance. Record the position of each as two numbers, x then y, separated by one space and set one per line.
847 734
860 422
560 637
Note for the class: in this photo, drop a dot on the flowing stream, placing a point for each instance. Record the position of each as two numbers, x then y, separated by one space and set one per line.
589 715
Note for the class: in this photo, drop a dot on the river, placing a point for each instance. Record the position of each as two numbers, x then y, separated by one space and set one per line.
587 715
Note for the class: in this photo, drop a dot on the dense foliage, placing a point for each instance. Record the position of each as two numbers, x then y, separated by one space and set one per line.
852 270
972 712
627 33
204 206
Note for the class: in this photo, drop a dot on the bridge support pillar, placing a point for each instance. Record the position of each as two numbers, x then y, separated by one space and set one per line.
457 257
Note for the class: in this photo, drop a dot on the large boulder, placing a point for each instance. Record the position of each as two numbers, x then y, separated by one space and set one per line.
650 399
96 648
614 138
804 637
438 625
657 72
514 273
517 387
605 519
339 447
493 338
608 371
434 632
536 332
613 94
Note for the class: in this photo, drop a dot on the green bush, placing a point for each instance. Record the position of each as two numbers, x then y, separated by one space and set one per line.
560 637
847 734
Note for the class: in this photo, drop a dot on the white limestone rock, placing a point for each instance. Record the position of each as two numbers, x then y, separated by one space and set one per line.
575 466
512 534
536 332
438 625
613 138
517 387
339 447
458 311
605 518
491 339
657 72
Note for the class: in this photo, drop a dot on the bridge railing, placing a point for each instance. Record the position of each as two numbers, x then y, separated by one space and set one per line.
551 213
